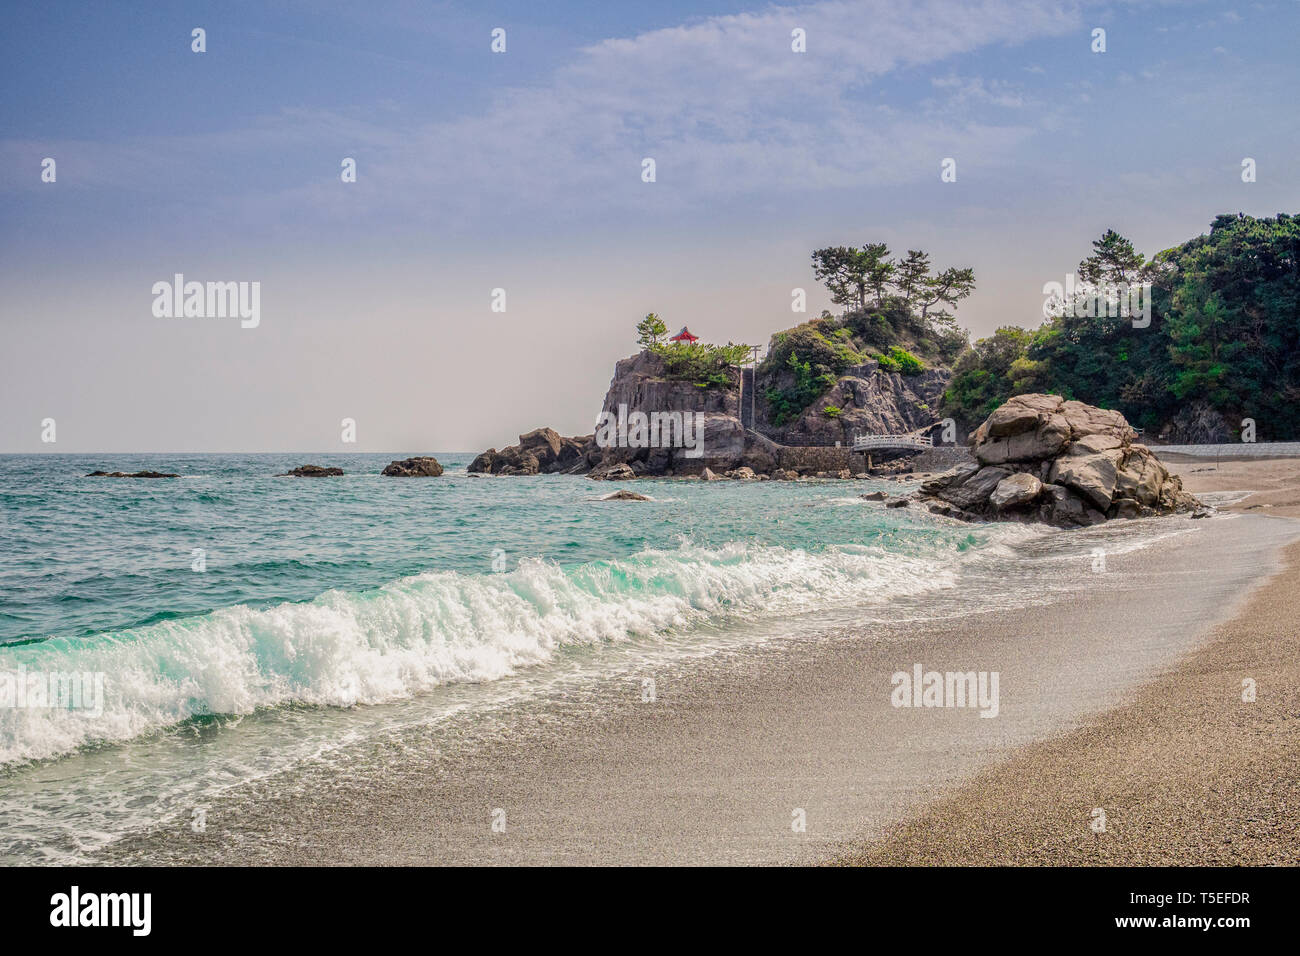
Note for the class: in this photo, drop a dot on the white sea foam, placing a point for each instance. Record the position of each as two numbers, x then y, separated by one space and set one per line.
344 649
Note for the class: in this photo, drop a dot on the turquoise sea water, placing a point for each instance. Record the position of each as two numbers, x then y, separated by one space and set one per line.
332 608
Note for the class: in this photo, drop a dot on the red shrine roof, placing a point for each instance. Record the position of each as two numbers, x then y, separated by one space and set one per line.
684 336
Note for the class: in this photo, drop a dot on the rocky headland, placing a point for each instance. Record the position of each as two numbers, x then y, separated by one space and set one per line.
716 439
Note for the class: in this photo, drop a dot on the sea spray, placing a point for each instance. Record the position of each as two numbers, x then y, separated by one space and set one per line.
345 649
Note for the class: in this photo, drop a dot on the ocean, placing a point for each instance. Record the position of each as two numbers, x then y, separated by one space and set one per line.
245 623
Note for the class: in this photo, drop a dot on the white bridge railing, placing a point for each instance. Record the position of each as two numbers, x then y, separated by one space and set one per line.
868 442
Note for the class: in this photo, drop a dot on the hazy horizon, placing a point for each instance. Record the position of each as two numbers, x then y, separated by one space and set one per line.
522 170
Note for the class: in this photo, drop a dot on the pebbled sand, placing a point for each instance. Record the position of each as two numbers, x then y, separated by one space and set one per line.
1186 772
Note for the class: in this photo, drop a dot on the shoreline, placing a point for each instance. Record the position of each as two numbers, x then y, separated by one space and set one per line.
713 770
1186 772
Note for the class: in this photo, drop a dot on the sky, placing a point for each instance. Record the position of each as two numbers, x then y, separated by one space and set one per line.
522 171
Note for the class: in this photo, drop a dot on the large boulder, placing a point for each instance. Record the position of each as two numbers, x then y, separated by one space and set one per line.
973 490
1092 476
1060 461
425 466
1015 491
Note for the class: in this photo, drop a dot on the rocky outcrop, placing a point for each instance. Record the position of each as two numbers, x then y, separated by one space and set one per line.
1197 423
715 438
312 471
542 451
425 466
870 402
1064 462
134 474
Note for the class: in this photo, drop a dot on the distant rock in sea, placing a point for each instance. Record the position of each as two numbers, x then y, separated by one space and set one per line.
426 466
312 471
619 471
1063 462
542 451
134 474
624 495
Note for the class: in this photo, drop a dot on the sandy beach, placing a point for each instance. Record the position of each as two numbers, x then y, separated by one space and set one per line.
1186 773
1119 690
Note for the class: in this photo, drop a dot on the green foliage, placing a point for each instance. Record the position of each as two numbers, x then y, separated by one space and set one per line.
649 330
708 366
1225 330
832 411
983 378
899 359
896 301
804 363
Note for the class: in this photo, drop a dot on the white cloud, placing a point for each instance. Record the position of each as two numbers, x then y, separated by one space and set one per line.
723 105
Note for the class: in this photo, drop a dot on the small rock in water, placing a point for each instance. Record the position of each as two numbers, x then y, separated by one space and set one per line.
312 471
897 503
616 472
875 496
134 474
426 466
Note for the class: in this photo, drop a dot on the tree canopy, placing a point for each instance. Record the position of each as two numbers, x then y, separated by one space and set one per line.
1225 331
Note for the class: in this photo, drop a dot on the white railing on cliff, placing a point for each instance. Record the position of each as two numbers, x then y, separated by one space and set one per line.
869 442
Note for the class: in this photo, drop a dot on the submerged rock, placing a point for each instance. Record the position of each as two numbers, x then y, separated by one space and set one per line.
425 466
624 495
134 474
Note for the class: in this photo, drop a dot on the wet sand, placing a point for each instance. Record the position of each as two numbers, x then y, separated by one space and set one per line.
1186 773
737 749
1275 482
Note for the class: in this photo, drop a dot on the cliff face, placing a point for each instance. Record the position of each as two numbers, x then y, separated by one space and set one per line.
706 429
716 439
870 402
640 382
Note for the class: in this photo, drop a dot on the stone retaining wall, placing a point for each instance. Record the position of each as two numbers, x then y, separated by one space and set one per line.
820 458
